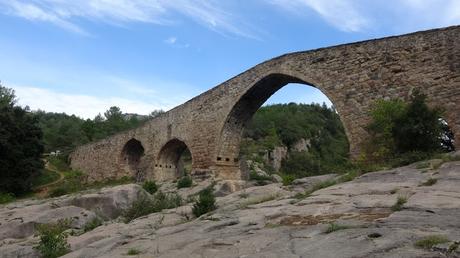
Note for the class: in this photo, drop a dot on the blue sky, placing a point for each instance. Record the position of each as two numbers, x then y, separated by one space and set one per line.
83 56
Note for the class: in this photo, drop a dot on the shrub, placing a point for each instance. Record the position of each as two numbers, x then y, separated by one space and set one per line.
6 198
287 179
133 251
430 241
145 205
399 203
53 239
92 224
335 227
150 186
59 191
184 182
430 182
206 202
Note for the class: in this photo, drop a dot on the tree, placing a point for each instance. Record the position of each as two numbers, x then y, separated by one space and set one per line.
20 145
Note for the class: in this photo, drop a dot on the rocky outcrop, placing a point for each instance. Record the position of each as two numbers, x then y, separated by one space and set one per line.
352 219
301 145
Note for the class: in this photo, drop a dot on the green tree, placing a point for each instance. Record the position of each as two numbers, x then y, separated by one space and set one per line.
20 145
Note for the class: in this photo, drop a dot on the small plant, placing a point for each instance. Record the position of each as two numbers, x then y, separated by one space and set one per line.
430 182
59 191
184 182
133 251
335 227
92 224
206 202
145 205
399 203
53 239
150 186
422 165
6 198
430 241
256 177
349 176
453 247
287 179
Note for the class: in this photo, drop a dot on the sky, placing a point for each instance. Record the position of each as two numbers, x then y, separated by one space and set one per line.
83 56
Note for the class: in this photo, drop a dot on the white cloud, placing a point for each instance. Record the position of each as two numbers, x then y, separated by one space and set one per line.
342 14
63 13
171 40
84 106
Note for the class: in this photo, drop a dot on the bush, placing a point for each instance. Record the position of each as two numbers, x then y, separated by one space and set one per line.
145 205
59 191
53 239
399 203
335 227
6 198
92 224
287 179
206 202
430 241
184 182
150 186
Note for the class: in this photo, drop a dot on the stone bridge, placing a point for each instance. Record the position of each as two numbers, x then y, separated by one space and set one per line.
353 76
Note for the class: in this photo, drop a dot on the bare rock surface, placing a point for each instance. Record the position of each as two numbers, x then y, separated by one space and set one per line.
275 221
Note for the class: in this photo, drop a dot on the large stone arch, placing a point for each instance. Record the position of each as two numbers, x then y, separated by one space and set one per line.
167 166
228 142
131 159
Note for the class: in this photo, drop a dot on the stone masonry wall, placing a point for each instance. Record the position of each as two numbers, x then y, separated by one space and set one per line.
353 76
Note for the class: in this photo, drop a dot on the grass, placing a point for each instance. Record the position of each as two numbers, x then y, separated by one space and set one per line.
287 179
430 241
422 165
53 239
429 182
335 227
145 205
133 251
399 203
92 224
6 198
184 182
45 177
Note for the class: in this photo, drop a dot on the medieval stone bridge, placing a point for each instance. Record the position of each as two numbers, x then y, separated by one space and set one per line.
353 76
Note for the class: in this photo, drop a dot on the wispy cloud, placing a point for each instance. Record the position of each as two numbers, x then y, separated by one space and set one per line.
342 14
65 13
84 106
171 40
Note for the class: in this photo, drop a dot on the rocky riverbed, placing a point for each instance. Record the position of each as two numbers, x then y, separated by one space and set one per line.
380 214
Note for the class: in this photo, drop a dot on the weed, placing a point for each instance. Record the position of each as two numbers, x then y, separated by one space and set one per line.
184 182
150 186
53 239
145 205
430 241
335 227
399 203
206 202
92 224
133 251
429 182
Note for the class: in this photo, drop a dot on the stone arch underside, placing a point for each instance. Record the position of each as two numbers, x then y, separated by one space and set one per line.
228 148
167 165
131 159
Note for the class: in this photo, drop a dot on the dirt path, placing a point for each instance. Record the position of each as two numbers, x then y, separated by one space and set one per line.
42 190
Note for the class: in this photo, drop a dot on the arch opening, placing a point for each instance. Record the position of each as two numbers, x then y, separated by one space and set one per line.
174 160
131 155
231 157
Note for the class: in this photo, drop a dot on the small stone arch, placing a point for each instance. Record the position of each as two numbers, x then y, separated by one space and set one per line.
227 159
168 165
131 158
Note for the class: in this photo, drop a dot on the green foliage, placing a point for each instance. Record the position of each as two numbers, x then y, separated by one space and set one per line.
287 179
403 133
150 186
53 239
260 179
206 202
278 125
59 162
430 241
20 145
145 205
45 177
133 251
184 182
6 198
399 203
430 182
59 191
335 227
92 224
